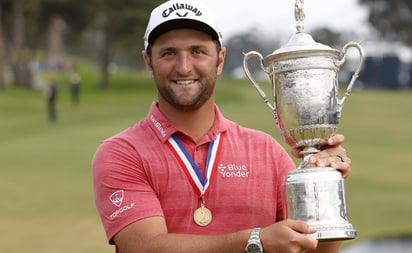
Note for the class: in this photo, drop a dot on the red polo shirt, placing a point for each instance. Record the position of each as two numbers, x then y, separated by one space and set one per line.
135 176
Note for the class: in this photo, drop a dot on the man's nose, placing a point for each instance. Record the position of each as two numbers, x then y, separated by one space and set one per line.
184 64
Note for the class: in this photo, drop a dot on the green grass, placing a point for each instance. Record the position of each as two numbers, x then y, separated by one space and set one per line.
46 195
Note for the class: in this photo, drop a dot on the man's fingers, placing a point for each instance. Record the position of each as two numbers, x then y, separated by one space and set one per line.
301 227
303 238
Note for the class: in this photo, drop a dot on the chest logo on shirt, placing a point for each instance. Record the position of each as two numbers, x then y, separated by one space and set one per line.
231 170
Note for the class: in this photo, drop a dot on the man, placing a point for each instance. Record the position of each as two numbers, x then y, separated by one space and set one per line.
51 96
186 179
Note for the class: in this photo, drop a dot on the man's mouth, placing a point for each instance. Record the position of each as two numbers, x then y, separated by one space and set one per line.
185 82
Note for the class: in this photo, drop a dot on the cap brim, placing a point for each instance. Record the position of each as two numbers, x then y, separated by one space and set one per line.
182 24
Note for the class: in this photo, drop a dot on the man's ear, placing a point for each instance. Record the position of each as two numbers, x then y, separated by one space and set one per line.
221 60
148 62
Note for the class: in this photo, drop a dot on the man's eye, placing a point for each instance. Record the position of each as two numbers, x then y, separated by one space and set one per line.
198 51
167 53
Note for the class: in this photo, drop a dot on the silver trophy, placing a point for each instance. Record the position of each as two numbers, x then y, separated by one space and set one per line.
307 109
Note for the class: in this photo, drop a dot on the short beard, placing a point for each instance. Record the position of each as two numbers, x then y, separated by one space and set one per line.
194 104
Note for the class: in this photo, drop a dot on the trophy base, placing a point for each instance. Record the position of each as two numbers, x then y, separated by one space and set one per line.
334 232
316 195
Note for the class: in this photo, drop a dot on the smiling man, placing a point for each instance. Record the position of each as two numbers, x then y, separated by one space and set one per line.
187 179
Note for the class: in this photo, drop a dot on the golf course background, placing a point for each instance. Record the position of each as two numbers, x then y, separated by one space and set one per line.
46 202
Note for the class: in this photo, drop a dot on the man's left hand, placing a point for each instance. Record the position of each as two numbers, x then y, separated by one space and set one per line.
331 154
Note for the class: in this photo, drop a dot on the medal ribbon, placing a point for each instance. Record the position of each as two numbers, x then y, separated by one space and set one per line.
193 173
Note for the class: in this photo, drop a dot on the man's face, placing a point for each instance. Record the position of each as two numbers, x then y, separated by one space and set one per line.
185 64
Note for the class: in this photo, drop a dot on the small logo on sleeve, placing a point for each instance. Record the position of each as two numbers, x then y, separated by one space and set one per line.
117 197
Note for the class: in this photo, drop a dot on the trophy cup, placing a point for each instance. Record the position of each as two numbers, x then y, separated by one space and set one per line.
306 108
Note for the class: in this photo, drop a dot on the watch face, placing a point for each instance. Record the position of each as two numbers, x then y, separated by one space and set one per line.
253 248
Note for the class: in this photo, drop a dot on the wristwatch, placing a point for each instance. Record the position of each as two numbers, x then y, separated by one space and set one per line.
254 245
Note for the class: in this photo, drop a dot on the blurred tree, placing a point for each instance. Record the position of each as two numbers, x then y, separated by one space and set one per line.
114 21
327 36
30 25
21 68
3 64
12 42
53 19
25 24
392 18
117 21
239 44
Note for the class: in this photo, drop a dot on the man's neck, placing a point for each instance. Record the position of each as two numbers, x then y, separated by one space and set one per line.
193 123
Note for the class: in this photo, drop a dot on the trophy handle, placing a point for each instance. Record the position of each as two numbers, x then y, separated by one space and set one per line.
246 58
355 75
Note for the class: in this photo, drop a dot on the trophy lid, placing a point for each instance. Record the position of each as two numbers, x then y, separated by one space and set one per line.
301 43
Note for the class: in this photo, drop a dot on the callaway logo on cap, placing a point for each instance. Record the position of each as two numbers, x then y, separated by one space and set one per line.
176 14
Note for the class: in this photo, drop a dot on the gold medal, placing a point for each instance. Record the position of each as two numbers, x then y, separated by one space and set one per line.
202 216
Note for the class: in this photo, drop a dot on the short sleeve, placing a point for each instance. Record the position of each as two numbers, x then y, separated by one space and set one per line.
122 190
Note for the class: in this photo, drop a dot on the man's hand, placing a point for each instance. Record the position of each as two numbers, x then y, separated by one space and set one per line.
288 236
332 154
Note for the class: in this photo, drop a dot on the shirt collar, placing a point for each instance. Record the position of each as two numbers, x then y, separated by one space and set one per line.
163 128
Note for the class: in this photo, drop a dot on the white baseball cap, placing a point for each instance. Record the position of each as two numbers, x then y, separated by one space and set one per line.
175 14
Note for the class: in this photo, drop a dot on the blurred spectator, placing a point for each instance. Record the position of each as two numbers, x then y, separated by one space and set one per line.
51 96
75 88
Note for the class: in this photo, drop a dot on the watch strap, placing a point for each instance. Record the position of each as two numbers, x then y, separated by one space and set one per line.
254 239
254 235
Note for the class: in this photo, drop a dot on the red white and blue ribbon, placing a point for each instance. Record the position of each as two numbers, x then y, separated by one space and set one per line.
199 183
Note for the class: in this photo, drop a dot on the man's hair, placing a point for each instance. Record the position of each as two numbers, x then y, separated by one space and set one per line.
149 49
